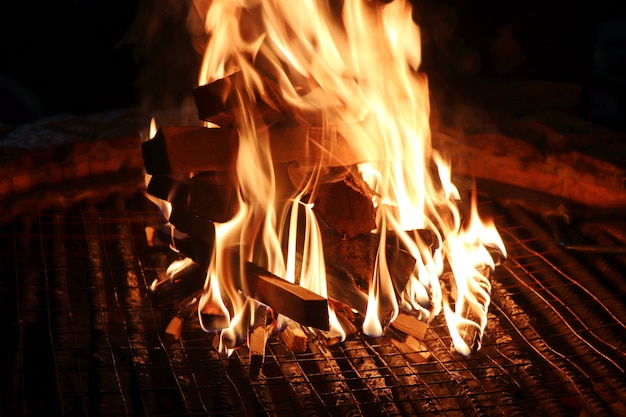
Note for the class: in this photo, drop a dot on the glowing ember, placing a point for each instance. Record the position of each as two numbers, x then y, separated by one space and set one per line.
352 72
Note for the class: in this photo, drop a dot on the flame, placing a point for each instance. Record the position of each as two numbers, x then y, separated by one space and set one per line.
164 206
358 68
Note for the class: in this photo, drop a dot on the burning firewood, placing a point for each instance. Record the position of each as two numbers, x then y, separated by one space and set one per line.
213 195
185 244
181 150
185 279
168 188
213 317
216 102
291 300
412 348
356 257
345 207
174 329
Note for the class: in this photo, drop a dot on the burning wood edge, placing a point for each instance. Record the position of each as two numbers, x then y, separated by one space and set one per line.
180 150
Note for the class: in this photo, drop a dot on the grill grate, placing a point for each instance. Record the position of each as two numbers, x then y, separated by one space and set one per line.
80 336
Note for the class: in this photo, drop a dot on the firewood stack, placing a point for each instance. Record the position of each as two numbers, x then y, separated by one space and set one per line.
193 168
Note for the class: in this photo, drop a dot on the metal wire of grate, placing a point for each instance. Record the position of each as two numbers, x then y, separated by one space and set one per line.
81 336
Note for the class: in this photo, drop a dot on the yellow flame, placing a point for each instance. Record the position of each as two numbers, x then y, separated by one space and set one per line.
357 69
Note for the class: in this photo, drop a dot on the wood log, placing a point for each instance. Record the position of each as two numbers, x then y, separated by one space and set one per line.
412 348
290 300
179 150
217 101
194 225
213 317
343 290
169 188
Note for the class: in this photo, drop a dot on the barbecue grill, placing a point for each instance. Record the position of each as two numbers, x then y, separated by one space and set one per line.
82 337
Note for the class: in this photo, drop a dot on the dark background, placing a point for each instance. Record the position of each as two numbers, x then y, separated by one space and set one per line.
88 56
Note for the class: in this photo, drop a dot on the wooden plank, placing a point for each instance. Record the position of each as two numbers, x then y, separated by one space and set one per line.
290 300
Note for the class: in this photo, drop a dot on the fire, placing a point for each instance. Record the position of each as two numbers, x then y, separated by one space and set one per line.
356 69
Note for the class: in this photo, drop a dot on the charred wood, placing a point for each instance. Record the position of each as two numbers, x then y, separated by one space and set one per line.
291 300
217 102
345 207
184 280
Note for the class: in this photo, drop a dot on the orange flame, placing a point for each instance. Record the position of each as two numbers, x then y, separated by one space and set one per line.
357 68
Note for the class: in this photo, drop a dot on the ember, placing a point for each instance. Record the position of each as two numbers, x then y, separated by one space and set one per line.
322 180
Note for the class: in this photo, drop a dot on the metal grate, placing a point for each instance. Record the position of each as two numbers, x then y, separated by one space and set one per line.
80 336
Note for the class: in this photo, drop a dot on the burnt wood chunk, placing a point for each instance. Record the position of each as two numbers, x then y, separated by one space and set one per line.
291 300
216 102
184 281
181 150
198 250
213 195
345 207
196 226
168 188
356 257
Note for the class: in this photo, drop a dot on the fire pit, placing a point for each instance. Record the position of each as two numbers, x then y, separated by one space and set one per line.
310 254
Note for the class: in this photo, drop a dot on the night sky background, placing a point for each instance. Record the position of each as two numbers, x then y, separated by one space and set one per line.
84 56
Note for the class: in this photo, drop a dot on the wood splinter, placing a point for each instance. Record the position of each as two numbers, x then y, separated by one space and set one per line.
294 337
